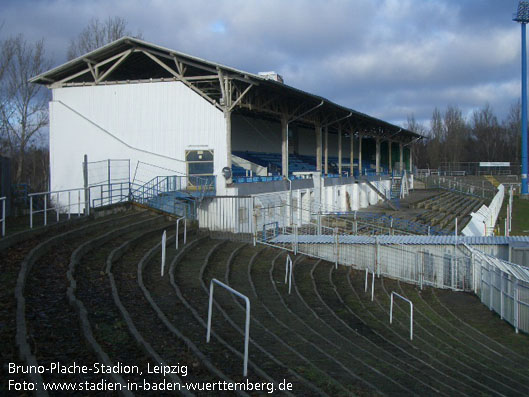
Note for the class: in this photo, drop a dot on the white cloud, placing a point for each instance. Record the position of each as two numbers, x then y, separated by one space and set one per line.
382 57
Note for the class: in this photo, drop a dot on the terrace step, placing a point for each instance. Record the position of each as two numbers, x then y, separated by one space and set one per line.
467 310
289 334
267 348
487 378
45 319
166 303
186 282
379 311
514 370
375 353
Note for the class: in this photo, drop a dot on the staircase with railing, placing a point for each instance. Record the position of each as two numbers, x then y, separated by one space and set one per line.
174 194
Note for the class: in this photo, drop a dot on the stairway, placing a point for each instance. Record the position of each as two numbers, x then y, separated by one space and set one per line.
174 194
382 195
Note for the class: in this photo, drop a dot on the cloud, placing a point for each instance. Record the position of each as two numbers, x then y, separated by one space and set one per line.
387 58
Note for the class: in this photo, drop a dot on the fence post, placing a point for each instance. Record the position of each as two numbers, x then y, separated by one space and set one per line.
421 274
176 238
336 251
45 209
31 212
287 264
164 240
108 166
57 207
254 226
85 181
501 297
295 239
516 305
490 286
377 256
373 287
87 203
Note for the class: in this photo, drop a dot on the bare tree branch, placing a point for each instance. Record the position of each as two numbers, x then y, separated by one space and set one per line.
96 34
25 108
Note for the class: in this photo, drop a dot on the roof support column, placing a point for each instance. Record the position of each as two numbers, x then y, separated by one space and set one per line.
284 145
318 147
360 173
351 155
390 167
401 157
326 150
227 117
377 157
340 150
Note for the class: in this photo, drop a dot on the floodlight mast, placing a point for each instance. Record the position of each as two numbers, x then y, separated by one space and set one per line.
522 17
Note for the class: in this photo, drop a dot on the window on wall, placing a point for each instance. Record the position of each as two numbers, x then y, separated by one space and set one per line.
199 167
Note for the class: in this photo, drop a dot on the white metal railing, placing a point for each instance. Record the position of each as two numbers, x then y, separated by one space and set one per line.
51 201
3 219
504 288
288 265
451 183
76 202
247 322
372 284
439 266
185 229
393 293
164 241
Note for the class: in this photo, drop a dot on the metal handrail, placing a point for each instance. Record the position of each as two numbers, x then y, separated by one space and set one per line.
247 322
288 265
372 284
114 192
411 311
185 229
164 242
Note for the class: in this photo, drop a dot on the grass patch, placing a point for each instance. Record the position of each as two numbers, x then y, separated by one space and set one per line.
520 217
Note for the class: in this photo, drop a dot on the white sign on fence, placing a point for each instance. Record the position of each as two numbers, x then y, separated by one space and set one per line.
494 164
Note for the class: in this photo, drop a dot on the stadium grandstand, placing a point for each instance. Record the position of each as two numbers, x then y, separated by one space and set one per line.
192 202
159 106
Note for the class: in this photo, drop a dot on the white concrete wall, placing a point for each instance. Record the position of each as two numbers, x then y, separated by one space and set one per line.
153 123
275 207
483 222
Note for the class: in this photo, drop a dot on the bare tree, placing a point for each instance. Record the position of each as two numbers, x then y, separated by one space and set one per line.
513 130
25 109
435 144
456 134
6 51
96 34
420 154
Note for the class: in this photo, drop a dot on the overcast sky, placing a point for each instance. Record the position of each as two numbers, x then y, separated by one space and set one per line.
387 58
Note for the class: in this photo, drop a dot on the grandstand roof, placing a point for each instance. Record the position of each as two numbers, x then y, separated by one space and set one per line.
130 60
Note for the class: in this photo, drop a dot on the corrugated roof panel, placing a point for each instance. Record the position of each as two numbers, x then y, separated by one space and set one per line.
406 240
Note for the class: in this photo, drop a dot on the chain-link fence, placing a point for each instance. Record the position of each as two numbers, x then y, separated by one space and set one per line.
459 186
108 171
